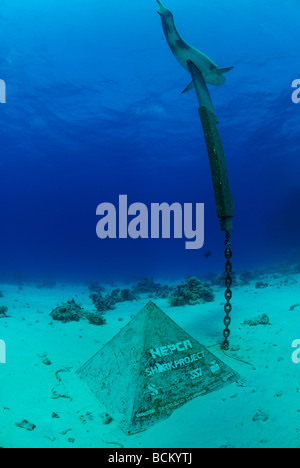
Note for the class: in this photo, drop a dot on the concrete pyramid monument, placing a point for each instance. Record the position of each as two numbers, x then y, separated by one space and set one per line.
150 368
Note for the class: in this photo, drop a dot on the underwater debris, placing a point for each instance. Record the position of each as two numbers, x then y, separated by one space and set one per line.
96 319
85 418
260 416
192 292
26 425
260 320
3 311
65 432
45 360
106 418
116 444
68 312
55 394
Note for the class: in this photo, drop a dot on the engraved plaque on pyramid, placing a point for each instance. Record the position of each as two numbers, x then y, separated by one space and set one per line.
150 368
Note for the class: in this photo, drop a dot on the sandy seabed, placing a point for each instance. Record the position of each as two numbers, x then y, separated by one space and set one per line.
262 410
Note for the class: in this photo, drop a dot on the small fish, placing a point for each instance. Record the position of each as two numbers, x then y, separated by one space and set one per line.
208 254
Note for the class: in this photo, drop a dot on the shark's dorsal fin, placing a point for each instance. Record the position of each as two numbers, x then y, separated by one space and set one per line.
188 88
223 70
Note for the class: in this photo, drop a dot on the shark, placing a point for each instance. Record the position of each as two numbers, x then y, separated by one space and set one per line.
185 53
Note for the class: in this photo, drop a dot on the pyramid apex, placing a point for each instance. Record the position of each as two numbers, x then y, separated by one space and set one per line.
149 309
151 305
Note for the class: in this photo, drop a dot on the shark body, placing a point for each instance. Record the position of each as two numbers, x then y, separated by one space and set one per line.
185 53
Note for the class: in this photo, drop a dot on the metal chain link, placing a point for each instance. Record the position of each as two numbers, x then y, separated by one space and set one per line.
228 292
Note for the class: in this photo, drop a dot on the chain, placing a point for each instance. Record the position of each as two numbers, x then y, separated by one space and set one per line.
228 293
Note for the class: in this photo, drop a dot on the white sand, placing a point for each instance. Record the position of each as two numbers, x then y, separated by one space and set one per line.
223 418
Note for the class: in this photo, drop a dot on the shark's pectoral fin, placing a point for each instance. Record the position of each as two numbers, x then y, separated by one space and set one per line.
224 70
188 88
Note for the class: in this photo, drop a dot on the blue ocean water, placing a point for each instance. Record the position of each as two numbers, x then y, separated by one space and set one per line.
94 110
